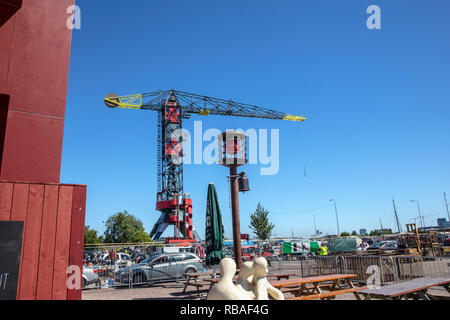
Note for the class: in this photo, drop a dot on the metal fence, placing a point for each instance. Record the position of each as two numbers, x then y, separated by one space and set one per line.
390 269
122 276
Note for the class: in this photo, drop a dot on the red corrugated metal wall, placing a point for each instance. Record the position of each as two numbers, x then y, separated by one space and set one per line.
53 236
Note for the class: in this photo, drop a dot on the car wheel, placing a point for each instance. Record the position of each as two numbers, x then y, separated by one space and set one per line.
190 270
139 278
84 283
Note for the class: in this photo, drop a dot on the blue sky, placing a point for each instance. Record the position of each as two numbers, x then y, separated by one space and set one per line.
377 103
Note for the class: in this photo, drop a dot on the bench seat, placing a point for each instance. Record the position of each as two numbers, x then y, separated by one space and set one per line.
328 294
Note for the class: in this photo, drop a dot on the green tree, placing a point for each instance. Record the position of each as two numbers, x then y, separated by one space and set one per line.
345 234
259 223
123 227
91 236
354 233
378 232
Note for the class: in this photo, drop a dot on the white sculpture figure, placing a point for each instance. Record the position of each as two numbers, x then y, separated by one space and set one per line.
263 287
244 281
225 288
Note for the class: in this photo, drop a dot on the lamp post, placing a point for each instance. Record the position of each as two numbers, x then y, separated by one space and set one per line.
232 154
337 220
420 214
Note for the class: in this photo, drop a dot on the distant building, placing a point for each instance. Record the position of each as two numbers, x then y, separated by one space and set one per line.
443 223
363 232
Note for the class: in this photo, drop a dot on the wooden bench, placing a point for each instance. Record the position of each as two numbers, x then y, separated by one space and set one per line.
329 294
198 287
296 289
191 280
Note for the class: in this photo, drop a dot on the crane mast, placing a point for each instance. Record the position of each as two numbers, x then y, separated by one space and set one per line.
173 106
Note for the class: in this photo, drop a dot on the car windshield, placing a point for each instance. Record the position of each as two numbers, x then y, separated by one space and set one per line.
145 261
148 260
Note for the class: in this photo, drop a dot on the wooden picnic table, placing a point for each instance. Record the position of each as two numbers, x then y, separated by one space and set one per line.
213 281
311 287
207 279
281 276
195 276
415 289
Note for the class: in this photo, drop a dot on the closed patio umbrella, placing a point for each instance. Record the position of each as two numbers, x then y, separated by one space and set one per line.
214 228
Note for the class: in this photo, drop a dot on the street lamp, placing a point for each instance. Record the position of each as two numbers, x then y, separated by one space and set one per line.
420 214
335 210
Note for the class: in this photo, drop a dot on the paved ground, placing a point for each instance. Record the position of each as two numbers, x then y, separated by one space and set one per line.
173 291
163 291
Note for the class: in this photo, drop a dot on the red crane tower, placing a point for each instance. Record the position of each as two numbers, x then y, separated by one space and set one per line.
173 106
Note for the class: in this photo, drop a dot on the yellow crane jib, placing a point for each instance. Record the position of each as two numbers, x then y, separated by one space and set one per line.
133 101
204 112
290 117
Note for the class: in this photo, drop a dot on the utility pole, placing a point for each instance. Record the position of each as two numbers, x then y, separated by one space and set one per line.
381 225
446 206
422 221
396 217
337 221
315 227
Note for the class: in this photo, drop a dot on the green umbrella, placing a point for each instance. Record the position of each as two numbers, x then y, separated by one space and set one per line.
214 228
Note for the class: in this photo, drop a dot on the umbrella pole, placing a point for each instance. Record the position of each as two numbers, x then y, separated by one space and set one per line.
236 219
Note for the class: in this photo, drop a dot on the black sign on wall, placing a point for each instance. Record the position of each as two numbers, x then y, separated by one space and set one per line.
10 250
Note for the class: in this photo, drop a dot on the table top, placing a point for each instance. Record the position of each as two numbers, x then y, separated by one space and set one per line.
410 286
281 275
197 274
298 281
215 280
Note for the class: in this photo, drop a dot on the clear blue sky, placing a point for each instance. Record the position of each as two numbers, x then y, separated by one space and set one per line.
377 103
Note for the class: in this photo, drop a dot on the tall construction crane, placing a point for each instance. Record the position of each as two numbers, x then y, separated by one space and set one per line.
173 106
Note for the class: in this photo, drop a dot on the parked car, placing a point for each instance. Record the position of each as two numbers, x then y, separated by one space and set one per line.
228 253
160 267
266 254
138 257
384 245
376 246
249 253
447 241
390 245
90 276
363 246
122 258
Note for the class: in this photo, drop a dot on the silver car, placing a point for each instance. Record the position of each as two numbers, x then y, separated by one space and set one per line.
90 275
160 267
